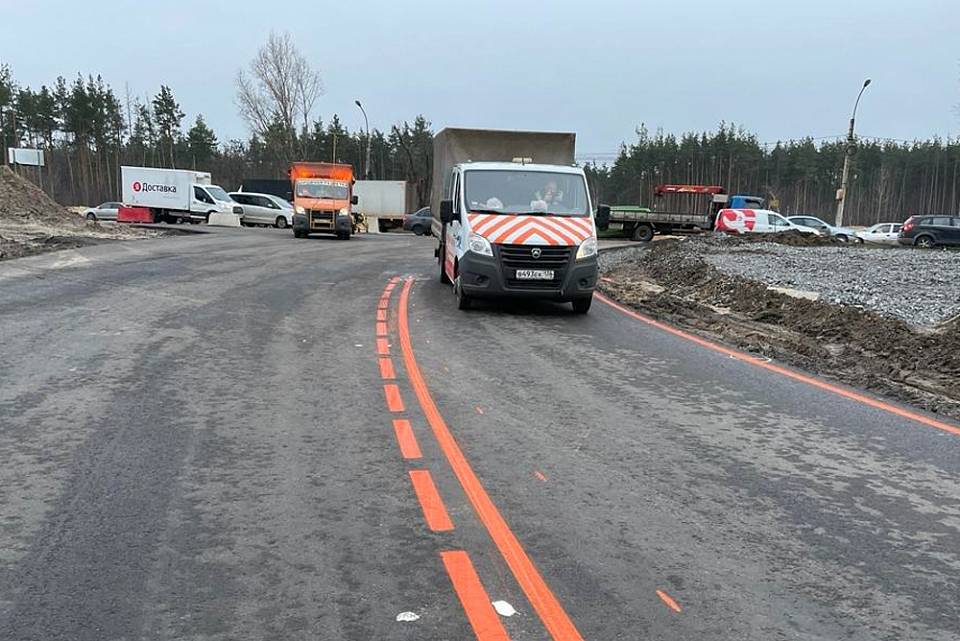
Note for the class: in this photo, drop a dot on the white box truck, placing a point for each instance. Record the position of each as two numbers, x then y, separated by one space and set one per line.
386 201
176 195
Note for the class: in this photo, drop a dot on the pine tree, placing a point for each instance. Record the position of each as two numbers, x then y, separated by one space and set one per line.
167 116
201 142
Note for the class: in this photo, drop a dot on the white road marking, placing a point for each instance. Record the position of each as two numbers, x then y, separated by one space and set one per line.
504 609
407 616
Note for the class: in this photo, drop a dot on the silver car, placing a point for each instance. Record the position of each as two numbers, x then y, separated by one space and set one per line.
103 211
264 209
844 234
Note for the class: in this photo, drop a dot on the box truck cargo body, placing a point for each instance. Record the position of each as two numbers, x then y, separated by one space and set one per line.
386 200
513 217
175 194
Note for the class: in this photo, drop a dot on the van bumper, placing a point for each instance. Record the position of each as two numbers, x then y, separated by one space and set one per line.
486 277
342 225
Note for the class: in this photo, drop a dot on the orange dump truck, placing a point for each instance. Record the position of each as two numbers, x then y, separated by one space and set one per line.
322 195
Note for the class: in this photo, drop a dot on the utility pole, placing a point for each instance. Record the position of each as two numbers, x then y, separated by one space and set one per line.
842 192
366 164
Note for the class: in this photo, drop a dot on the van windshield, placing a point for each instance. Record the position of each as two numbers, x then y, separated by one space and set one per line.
218 193
330 189
526 192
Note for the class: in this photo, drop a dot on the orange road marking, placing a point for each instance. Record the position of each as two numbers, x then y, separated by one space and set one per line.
548 608
434 512
474 599
394 402
479 410
381 314
381 329
803 378
666 598
394 280
383 346
384 303
540 475
386 369
406 439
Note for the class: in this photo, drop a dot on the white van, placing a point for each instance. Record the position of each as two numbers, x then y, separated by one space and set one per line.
757 221
176 194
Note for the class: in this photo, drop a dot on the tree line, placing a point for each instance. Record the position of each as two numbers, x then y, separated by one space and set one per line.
890 180
88 131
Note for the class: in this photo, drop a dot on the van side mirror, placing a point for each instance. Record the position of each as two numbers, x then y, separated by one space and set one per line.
354 200
602 218
446 211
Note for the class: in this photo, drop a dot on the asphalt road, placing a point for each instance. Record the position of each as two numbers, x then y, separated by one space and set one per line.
243 436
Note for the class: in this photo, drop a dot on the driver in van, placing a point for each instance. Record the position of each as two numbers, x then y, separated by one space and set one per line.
546 198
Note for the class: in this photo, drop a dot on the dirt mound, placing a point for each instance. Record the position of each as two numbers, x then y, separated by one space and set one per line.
32 223
672 282
791 237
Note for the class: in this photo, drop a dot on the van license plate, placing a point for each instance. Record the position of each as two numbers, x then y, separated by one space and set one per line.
534 274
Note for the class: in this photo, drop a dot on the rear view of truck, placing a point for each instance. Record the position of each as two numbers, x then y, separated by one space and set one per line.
322 196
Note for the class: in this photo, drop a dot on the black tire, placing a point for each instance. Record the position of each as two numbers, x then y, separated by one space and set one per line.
297 233
642 233
843 238
92 217
463 301
858 240
281 222
418 230
206 219
343 235
925 242
582 305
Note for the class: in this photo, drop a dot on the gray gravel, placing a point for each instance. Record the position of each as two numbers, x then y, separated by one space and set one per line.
920 287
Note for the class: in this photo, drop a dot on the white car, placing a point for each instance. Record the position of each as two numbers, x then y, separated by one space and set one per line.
103 211
881 233
757 221
264 209
843 234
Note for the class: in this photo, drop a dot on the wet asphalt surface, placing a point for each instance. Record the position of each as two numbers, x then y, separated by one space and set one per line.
194 444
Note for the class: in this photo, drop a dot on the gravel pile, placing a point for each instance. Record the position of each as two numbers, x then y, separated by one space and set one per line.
919 287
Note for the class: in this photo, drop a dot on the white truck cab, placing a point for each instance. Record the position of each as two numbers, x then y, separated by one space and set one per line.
518 229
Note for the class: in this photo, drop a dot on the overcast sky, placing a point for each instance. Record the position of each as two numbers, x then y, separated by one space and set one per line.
781 69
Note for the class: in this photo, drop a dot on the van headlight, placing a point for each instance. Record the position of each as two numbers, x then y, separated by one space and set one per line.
479 245
300 210
344 212
587 248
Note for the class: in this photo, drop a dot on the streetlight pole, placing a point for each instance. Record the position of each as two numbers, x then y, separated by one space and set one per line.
842 193
366 164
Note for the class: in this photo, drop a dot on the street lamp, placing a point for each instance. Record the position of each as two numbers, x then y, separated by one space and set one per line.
842 193
366 164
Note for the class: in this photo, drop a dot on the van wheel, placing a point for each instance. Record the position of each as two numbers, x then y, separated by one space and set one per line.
281 222
642 233
298 234
463 301
343 235
582 305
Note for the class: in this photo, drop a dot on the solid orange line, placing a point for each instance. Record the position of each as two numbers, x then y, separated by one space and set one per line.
383 346
386 369
405 438
666 598
433 510
394 402
554 618
381 329
475 600
381 314
809 380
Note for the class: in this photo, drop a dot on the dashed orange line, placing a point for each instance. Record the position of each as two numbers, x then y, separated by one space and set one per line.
666 598
386 369
383 347
809 380
434 511
384 303
381 329
540 475
381 314
409 447
473 597
479 410
392 393
546 604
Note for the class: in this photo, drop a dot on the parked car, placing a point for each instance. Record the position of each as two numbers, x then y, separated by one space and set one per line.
843 234
264 209
103 211
757 221
418 222
881 233
930 231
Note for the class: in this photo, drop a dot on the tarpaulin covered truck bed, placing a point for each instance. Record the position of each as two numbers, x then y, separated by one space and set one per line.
454 145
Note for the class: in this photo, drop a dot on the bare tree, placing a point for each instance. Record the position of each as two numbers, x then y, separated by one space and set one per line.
280 90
